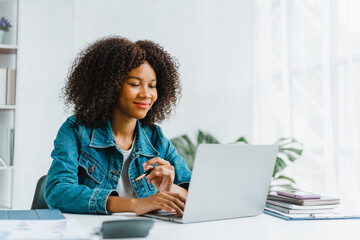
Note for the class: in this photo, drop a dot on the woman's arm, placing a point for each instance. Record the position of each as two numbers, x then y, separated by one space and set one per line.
63 190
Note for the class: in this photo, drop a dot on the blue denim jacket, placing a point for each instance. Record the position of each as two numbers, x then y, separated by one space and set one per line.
87 165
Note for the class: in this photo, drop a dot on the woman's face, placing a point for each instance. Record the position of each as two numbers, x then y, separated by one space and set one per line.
138 92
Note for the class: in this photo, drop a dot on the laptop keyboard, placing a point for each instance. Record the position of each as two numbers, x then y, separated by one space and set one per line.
167 214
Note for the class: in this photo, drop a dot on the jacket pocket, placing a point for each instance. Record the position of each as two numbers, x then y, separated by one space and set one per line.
92 167
151 186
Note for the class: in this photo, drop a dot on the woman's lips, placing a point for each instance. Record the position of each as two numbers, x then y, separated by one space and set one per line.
142 105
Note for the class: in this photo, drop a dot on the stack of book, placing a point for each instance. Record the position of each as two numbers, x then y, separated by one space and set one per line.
287 207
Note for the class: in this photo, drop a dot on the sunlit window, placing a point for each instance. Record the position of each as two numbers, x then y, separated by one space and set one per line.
311 89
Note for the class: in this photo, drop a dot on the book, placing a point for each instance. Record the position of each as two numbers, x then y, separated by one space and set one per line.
7 151
10 86
323 200
38 214
294 206
296 211
11 148
320 216
295 216
3 76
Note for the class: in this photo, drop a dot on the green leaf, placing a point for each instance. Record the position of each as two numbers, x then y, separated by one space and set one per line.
287 186
284 141
188 140
185 148
242 139
291 157
201 137
285 178
295 150
279 165
210 139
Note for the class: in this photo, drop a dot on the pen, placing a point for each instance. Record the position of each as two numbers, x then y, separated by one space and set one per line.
142 175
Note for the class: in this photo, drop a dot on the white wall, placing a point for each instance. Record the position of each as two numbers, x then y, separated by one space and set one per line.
45 41
211 39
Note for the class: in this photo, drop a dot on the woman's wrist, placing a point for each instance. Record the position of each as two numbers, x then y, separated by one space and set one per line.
120 204
177 189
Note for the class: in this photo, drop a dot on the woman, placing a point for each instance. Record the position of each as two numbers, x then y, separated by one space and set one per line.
118 89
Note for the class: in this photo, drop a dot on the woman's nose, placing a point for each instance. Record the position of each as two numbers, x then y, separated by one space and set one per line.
145 93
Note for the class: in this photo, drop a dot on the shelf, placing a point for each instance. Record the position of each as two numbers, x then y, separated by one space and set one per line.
8 49
7 107
6 167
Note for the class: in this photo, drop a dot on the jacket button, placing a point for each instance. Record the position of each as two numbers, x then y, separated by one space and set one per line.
91 169
115 172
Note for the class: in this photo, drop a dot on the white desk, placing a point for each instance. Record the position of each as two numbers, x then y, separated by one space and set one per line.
261 227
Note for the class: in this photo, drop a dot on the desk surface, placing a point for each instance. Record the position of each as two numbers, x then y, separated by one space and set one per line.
259 227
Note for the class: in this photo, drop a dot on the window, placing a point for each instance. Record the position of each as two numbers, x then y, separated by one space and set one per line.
308 86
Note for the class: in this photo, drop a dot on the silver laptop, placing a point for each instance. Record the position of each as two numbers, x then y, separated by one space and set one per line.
228 181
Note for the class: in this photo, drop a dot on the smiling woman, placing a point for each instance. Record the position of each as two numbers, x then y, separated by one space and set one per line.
138 92
119 90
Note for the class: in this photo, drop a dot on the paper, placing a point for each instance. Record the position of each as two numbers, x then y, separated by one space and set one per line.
42 229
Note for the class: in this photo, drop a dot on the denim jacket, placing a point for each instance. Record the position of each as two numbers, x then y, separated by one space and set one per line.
87 165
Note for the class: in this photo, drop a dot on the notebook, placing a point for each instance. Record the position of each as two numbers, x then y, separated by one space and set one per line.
38 214
319 216
324 200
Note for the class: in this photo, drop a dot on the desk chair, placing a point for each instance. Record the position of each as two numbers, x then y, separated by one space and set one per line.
39 198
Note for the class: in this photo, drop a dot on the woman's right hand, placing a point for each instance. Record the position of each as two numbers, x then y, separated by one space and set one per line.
170 202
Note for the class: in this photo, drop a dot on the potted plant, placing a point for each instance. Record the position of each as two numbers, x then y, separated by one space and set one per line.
4 27
289 150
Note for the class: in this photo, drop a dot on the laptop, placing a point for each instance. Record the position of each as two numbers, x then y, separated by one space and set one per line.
228 181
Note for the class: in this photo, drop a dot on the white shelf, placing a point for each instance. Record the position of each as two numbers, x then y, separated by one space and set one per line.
7 107
8 49
8 59
6 167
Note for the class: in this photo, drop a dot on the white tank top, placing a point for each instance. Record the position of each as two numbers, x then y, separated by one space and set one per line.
124 187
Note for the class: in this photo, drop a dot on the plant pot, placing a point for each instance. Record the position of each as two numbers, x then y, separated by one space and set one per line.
2 36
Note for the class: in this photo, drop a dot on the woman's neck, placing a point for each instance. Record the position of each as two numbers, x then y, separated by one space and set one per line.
123 130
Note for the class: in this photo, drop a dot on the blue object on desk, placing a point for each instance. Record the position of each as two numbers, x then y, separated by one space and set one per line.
38 214
129 228
313 217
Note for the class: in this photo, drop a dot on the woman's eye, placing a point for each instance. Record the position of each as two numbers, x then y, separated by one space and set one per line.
134 85
152 86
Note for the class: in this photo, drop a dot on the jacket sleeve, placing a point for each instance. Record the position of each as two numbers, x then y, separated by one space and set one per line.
62 190
182 171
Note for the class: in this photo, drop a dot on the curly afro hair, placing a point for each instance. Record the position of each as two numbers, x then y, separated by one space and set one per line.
97 73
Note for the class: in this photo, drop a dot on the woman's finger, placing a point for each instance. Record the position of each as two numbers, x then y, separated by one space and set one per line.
163 206
174 199
171 203
156 160
177 195
161 171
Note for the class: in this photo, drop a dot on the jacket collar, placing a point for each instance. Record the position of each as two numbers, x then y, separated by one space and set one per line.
143 144
102 137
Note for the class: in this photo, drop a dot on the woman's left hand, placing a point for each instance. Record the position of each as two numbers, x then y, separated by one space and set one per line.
162 175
